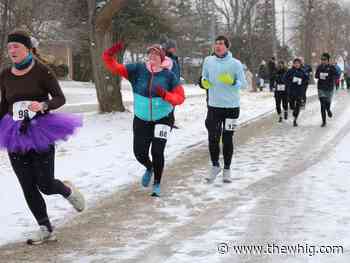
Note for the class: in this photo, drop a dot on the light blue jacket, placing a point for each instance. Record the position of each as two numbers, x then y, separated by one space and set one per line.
222 95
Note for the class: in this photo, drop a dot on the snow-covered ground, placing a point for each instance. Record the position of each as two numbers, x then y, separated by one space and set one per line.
310 209
290 187
99 159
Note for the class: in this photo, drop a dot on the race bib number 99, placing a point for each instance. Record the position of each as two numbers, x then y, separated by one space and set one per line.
230 124
162 131
21 110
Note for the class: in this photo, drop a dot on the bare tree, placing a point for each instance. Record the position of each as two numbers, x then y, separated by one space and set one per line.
107 87
321 26
5 7
237 14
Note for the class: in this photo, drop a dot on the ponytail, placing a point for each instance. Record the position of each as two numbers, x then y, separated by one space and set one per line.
39 57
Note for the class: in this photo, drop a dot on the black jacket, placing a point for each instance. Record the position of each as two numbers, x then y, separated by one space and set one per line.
280 74
272 69
295 80
326 75
280 80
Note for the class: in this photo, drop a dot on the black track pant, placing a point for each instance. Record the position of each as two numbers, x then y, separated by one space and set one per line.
144 139
281 98
35 172
215 124
325 107
295 102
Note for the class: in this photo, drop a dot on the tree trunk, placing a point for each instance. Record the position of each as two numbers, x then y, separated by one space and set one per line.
4 29
107 86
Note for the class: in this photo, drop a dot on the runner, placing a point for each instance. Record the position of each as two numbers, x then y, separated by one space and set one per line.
326 74
281 95
296 80
223 76
156 93
29 131
339 73
272 73
170 51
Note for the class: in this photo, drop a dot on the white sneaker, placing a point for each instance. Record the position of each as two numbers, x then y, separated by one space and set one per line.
76 198
226 176
214 171
41 236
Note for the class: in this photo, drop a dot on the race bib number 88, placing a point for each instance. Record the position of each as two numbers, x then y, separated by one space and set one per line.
21 110
162 131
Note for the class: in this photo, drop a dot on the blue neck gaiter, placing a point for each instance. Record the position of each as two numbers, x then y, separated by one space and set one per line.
25 63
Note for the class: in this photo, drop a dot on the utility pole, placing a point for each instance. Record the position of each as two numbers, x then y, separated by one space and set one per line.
274 38
283 26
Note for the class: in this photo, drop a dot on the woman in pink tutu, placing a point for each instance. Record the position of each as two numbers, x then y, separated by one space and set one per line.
29 130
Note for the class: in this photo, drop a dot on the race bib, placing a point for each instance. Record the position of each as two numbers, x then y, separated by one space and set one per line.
231 124
261 83
297 80
162 131
281 87
21 110
323 75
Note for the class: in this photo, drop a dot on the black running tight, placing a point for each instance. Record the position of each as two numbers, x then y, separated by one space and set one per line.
325 107
35 173
144 139
215 123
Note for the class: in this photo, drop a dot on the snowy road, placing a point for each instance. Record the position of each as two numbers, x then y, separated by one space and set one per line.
291 187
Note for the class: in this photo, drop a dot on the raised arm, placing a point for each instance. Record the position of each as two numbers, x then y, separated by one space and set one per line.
111 63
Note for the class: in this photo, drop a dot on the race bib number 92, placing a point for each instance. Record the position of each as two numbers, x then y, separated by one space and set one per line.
231 124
